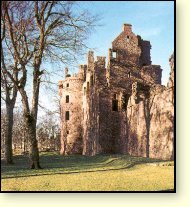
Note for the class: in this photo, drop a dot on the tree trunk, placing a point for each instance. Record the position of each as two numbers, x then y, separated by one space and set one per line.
30 123
8 134
33 145
147 120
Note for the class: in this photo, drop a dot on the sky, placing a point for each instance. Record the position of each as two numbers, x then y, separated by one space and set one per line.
152 20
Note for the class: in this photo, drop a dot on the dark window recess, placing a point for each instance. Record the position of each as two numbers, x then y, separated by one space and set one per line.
127 38
125 99
129 74
60 86
91 80
67 115
67 132
67 84
84 90
67 99
114 105
88 87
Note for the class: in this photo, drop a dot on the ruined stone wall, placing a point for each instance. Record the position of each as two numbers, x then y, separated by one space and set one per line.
145 58
95 103
161 137
105 129
162 120
151 74
90 110
126 46
90 121
150 126
138 120
151 122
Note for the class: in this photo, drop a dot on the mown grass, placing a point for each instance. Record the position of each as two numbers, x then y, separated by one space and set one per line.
82 173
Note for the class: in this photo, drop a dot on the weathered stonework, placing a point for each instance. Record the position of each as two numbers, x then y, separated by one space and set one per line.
71 130
121 107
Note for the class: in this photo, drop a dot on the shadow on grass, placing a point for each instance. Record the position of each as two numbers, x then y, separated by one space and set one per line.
53 163
70 172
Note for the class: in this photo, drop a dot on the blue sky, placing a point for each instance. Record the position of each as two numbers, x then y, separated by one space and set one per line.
152 20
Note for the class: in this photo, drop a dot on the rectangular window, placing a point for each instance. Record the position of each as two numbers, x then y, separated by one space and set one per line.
91 80
67 84
114 96
114 54
127 38
114 105
125 99
67 115
67 99
129 74
88 88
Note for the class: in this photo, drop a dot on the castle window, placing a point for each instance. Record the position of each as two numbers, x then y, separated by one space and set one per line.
127 38
67 115
67 132
67 99
67 85
125 99
61 86
129 74
114 54
91 80
114 105
88 87
115 102
114 96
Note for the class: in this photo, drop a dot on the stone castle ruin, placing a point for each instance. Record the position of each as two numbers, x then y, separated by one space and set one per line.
121 107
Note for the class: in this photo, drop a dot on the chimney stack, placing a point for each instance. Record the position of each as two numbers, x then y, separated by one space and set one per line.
127 28
90 60
66 72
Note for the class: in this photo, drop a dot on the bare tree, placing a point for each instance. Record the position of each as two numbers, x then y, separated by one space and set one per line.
8 95
48 132
36 31
19 135
20 138
3 130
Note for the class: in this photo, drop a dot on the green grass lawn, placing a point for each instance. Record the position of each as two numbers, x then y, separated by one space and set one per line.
82 173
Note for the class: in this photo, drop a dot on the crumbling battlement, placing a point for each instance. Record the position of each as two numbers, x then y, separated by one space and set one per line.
118 107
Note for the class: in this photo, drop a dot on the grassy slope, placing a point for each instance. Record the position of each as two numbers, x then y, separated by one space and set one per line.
102 172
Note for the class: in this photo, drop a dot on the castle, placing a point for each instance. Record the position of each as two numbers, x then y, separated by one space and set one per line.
121 107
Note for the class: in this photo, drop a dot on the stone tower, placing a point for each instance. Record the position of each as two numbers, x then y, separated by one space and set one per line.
70 91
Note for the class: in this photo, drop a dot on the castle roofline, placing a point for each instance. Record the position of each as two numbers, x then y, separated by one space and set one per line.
72 78
126 24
